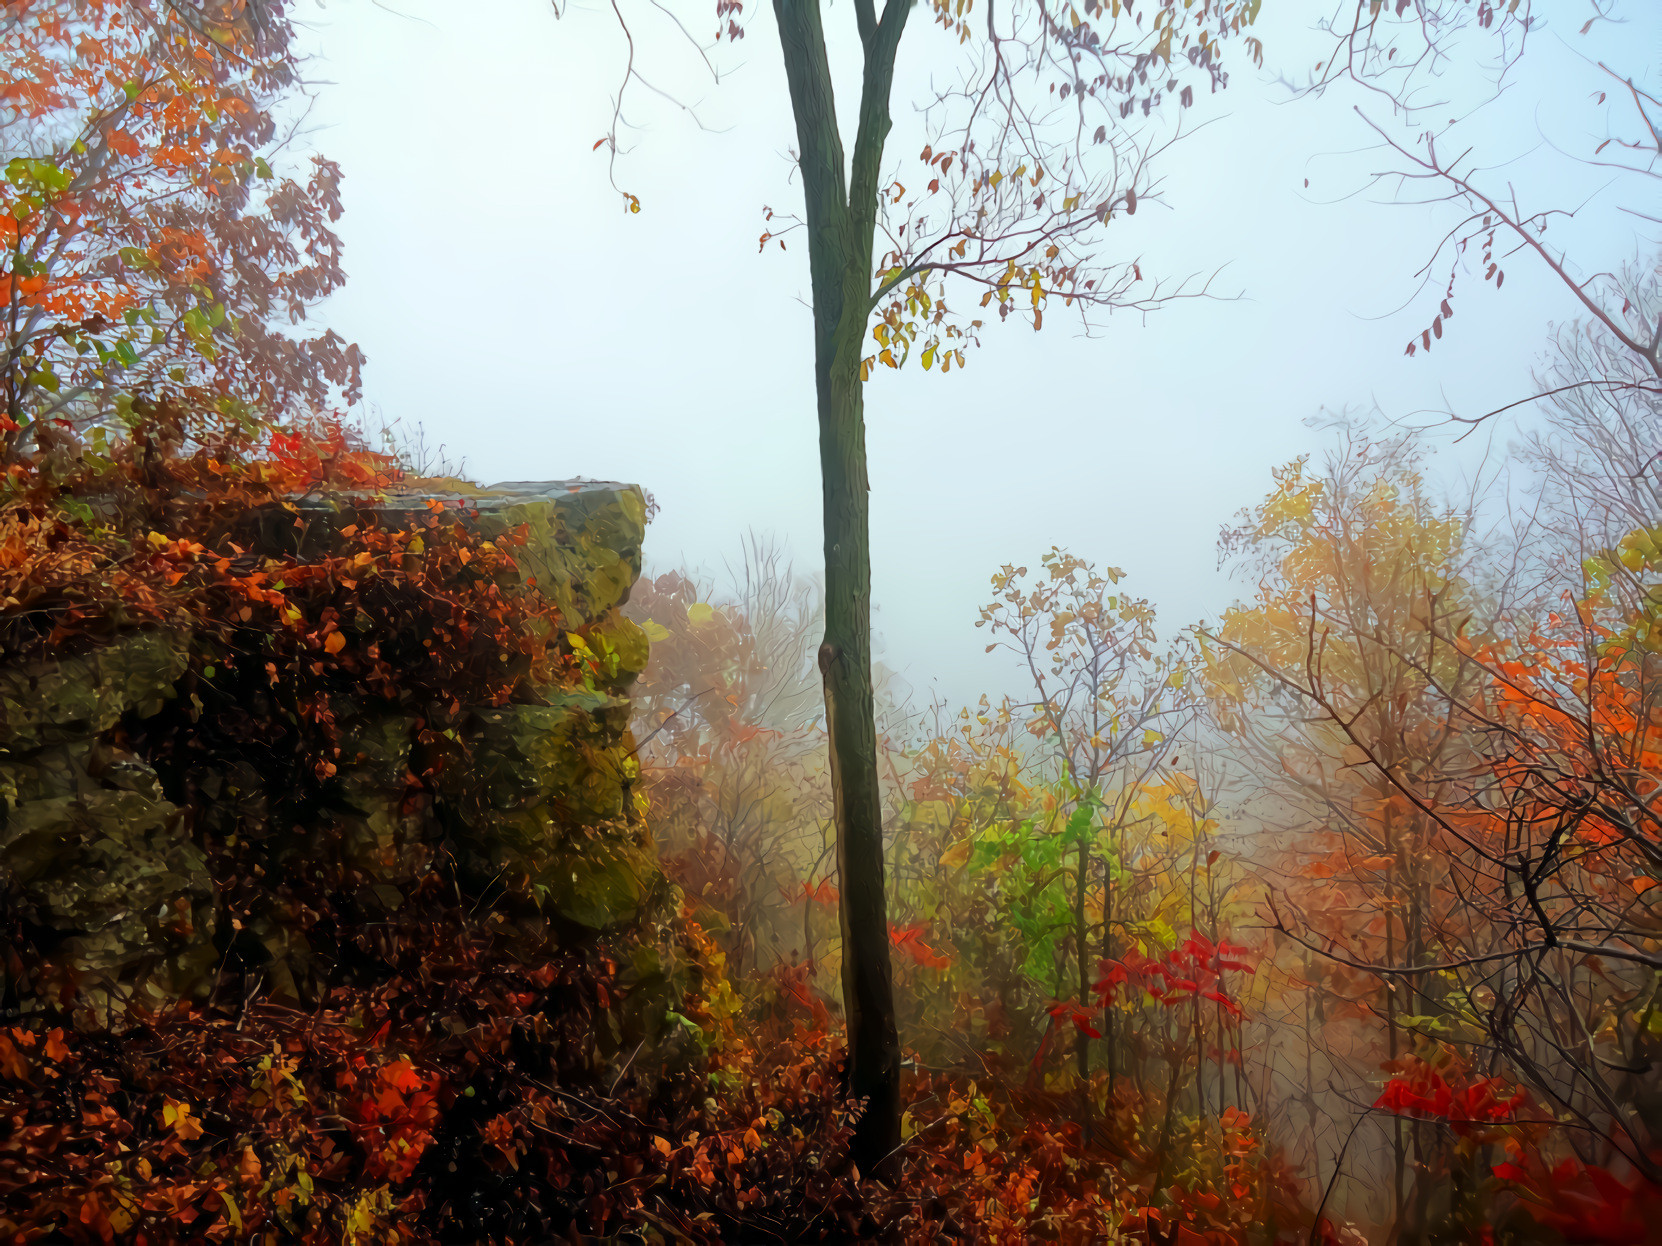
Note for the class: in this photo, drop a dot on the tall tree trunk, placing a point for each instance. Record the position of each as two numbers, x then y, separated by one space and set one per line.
845 663
841 215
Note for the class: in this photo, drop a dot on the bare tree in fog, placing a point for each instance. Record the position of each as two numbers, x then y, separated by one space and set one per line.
1600 453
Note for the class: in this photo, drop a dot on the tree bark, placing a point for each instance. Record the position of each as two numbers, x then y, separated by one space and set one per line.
841 218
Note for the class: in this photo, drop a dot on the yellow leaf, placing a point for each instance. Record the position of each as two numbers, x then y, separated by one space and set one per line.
699 613
655 632
177 1116
232 1212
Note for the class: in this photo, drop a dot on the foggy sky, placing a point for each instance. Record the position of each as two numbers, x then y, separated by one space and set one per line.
509 306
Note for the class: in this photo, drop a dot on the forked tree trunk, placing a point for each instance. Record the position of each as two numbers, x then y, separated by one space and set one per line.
841 214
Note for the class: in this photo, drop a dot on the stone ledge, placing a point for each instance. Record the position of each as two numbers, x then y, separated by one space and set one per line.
584 551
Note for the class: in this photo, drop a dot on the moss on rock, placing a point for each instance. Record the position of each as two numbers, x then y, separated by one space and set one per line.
80 697
123 892
544 793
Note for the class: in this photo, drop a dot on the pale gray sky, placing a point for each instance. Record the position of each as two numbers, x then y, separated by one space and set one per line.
509 306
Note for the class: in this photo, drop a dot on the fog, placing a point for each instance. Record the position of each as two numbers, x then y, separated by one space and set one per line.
511 308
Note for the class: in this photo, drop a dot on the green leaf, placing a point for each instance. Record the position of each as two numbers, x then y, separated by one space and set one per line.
1079 825
1414 1021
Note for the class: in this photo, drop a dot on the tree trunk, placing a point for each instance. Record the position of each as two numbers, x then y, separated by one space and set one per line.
1109 1012
1399 1154
841 214
845 663
1082 1040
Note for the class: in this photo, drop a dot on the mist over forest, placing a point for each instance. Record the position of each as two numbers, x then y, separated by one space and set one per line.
894 622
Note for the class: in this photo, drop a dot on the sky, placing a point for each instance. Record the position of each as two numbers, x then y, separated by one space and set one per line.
513 310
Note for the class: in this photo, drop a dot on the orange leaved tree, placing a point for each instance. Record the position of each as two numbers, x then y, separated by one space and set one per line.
1328 685
148 244
1044 137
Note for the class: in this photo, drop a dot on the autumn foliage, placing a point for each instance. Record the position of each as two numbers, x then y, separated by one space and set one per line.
149 241
389 1046
1334 920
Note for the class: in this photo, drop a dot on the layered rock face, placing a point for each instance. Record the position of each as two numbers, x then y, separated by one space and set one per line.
105 867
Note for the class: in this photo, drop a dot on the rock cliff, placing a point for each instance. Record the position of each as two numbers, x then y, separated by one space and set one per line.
108 849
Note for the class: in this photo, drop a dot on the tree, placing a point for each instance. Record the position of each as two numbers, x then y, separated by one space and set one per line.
1329 684
1468 781
1600 452
732 755
1105 704
149 245
1396 53
1074 889
1037 148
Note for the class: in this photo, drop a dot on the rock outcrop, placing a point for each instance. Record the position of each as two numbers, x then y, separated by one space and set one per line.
105 868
